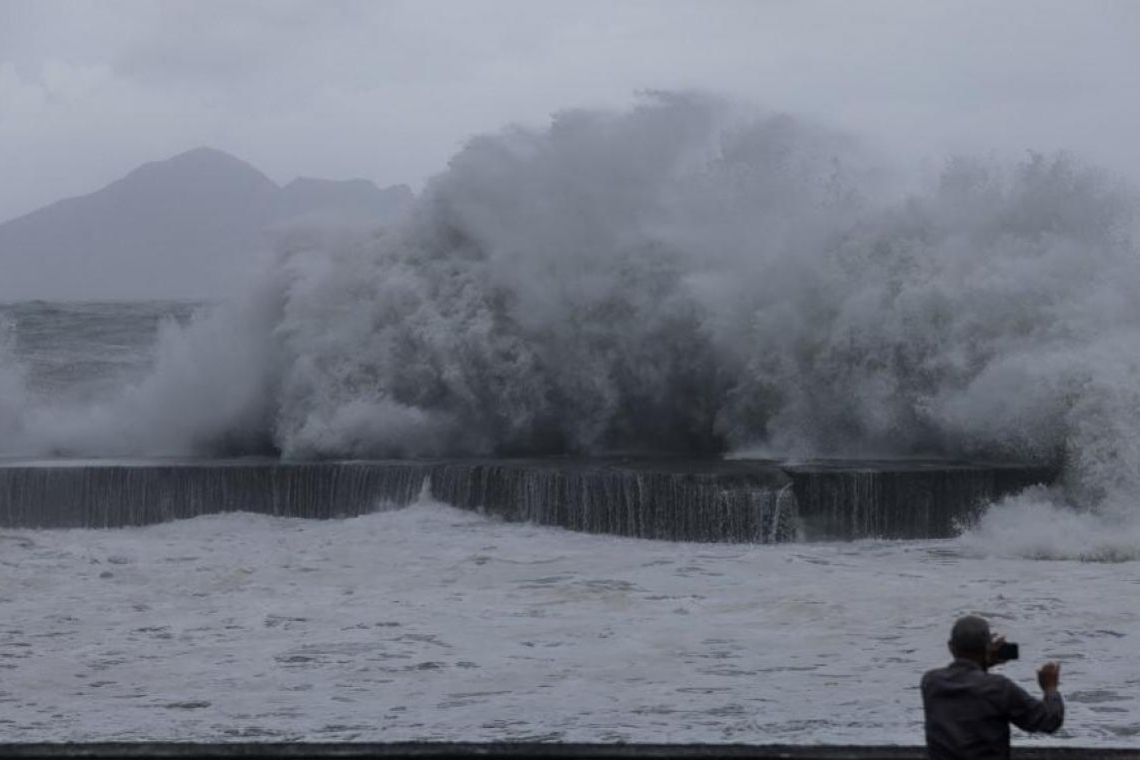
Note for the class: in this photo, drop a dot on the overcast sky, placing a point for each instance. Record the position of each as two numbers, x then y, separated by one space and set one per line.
389 90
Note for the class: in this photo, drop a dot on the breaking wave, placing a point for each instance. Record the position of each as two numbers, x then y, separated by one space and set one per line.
676 277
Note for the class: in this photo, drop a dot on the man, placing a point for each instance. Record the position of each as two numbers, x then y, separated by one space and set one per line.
968 709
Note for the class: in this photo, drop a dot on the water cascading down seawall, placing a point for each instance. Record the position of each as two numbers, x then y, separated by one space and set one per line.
677 500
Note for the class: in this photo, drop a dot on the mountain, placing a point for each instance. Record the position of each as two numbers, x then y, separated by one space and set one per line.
186 227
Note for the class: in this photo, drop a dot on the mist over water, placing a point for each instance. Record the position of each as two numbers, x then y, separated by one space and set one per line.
679 277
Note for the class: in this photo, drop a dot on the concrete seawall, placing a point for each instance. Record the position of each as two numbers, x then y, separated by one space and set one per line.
902 499
681 500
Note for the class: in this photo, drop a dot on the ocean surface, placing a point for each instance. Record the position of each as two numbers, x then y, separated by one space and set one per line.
429 623
85 352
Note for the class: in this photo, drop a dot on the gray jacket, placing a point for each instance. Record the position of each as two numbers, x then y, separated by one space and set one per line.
968 712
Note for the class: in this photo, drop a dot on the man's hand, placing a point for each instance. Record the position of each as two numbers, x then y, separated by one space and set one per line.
992 655
1049 677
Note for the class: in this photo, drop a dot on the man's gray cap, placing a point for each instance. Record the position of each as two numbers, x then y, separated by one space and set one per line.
971 634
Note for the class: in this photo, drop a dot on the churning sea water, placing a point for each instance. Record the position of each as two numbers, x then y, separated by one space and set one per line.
430 623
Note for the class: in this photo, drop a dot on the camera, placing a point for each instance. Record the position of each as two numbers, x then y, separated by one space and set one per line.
1007 651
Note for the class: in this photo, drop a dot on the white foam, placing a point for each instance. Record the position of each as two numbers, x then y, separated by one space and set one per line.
1041 524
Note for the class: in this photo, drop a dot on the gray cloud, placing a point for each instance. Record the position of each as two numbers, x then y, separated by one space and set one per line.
390 90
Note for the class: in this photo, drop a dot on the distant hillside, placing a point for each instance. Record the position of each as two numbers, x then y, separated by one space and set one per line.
185 227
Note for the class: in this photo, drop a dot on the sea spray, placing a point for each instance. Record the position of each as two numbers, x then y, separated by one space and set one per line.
586 289
13 393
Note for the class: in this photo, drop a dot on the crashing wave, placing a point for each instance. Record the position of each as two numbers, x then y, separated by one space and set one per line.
675 277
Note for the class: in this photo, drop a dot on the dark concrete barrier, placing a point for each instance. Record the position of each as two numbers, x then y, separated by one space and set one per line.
902 499
114 494
670 499
520 751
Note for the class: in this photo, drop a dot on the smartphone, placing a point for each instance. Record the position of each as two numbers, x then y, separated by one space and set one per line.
1007 651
